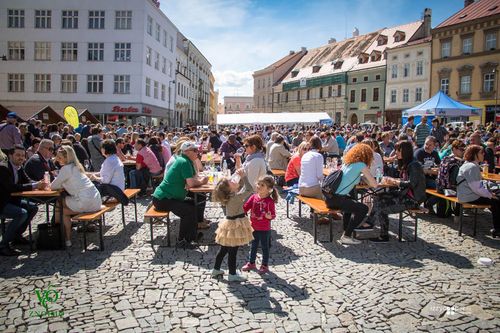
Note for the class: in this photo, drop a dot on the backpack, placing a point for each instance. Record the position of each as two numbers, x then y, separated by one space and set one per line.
444 208
446 168
331 183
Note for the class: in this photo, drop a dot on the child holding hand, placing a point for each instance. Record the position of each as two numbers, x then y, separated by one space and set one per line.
262 210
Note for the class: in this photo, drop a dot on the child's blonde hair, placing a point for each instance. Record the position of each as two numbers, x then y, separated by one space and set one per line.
222 191
269 182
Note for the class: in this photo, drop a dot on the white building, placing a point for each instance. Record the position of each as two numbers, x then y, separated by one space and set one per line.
182 85
114 57
238 104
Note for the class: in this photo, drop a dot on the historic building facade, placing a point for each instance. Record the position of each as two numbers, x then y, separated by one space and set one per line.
238 104
466 56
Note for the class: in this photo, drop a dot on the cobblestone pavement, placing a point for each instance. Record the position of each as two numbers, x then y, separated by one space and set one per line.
434 284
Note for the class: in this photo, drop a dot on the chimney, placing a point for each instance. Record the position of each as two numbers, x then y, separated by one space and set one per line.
303 49
292 52
468 2
332 40
427 21
355 32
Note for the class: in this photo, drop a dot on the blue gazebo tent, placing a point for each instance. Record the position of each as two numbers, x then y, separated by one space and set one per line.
441 105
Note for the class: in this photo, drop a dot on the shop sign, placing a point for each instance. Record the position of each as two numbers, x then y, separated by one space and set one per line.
146 110
119 109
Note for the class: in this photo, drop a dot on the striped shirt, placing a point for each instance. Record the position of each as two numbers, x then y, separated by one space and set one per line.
422 131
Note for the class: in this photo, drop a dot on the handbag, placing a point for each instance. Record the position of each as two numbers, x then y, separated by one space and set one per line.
49 237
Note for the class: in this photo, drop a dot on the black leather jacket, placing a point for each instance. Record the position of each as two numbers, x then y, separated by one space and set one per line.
416 181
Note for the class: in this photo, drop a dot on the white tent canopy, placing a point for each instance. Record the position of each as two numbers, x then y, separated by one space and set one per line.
272 118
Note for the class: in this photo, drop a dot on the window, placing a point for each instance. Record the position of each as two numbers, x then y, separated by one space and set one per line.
406 70
375 94
149 27
278 99
165 38
155 91
321 92
157 60
122 51
394 71
42 83
16 18
16 50
445 85
406 95
365 78
268 81
330 91
363 95
69 51
418 94
393 96
148 87
70 19
148 56
95 84
157 32
123 19
377 77
465 85
286 98
170 68
467 45
420 67
43 19
164 65
171 44
121 84
163 90
308 94
96 19
353 96
298 95
489 82
339 90
354 80
445 48
490 40
16 82
68 83
42 51
96 52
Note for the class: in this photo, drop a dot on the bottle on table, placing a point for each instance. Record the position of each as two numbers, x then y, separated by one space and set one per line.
378 175
46 180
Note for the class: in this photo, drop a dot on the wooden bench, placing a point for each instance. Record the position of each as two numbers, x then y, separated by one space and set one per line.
157 217
97 216
277 174
410 213
318 207
131 194
462 206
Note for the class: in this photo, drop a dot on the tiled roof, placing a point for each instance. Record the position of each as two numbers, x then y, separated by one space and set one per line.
284 60
478 9
414 42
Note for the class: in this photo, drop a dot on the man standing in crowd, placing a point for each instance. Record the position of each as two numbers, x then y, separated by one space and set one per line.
14 179
9 133
94 145
41 162
422 131
438 131
409 124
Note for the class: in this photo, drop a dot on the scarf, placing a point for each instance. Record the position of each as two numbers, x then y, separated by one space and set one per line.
257 154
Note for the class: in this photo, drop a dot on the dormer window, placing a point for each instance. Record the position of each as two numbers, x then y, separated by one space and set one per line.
295 72
375 55
363 58
338 64
382 40
399 36
316 68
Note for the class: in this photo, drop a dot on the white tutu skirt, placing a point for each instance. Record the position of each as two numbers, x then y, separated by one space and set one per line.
236 232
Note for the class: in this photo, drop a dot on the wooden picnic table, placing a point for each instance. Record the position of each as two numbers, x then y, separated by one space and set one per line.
491 177
216 158
44 197
128 163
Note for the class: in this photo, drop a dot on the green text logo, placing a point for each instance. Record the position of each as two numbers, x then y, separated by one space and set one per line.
46 298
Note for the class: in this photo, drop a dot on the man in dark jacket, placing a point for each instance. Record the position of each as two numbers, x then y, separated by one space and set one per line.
13 178
41 162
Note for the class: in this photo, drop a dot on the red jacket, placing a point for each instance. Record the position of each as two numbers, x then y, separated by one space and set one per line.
259 207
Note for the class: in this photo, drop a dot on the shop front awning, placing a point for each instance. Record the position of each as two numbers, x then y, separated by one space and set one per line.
272 118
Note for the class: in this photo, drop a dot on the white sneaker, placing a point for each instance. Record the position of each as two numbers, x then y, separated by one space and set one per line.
68 243
217 272
346 240
236 278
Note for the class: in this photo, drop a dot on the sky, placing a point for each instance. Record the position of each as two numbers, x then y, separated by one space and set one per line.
239 37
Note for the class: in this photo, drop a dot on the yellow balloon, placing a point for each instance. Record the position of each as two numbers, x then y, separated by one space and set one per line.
71 116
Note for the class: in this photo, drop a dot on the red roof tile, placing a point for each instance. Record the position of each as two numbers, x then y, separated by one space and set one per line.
478 9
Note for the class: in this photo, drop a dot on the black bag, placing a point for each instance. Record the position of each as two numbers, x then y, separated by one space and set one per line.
443 208
49 237
331 183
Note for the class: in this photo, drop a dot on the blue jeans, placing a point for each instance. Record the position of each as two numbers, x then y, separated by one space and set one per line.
261 237
21 216
140 179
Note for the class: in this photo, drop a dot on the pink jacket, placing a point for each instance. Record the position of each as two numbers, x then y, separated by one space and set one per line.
150 160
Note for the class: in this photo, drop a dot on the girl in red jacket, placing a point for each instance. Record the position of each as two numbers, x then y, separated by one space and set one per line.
262 210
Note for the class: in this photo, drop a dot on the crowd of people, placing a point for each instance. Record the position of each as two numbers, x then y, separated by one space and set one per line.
88 163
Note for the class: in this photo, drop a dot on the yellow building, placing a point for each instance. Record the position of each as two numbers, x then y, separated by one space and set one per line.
466 56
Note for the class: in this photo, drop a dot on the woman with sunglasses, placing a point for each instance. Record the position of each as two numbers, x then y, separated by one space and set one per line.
293 169
471 189
255 164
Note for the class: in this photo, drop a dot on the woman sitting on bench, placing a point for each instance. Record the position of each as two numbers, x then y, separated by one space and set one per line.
411 192
471 189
